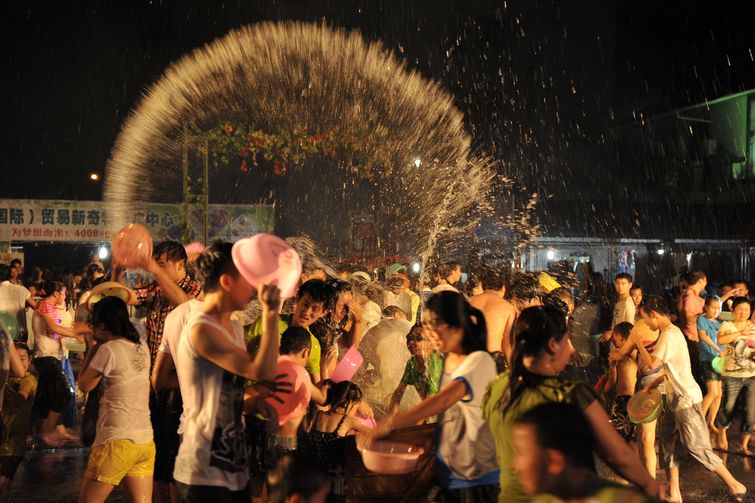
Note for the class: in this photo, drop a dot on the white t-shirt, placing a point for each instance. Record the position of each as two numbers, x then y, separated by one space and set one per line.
623 310
444 288
385 355
466 445
175 323
124 406
13 301
213 448
739 360
681 389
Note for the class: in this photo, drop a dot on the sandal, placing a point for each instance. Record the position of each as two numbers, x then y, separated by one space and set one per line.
739 498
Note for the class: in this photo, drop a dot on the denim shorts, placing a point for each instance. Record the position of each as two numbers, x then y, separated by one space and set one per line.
708 373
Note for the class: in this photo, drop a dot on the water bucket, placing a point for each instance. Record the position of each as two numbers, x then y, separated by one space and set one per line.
131 246
9 324
265 259
348 365
718 364
390 457
645 406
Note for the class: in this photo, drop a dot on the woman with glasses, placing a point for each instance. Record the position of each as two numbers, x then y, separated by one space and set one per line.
467 467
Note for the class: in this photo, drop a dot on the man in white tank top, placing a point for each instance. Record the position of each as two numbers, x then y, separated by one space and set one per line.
212 364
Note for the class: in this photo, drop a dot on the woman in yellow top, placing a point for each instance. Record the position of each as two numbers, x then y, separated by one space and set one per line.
542 348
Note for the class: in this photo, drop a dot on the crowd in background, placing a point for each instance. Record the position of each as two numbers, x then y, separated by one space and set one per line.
182 372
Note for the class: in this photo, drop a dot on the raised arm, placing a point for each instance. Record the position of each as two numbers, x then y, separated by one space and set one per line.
212 345
172 291
267 356
355 331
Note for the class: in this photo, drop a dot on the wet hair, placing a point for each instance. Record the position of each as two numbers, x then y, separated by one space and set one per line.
446 268
745 283
90 272
454 310
175 251
342 395
319 291
22 346
492 279
534 328
111 314
623 329
94 268
695 276
739 300
295 339
623 275
390 311
559 298
215 261
295 474
564 428
524 286
339 286
655 304
52 287
415 335
711 298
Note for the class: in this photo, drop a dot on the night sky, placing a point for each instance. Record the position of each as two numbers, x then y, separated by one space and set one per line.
73 70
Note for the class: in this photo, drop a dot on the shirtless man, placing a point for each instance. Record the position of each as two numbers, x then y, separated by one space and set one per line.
499 313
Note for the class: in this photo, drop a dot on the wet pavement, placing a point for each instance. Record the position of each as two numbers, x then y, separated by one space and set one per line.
55 476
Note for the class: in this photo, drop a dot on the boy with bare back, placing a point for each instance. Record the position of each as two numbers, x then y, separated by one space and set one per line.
622 378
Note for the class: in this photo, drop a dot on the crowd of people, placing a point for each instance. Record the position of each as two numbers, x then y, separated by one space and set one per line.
184 388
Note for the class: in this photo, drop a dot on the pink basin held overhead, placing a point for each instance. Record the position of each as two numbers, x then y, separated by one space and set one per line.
131 246
265 259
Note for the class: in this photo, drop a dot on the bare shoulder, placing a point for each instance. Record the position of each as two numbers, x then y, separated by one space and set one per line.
478 301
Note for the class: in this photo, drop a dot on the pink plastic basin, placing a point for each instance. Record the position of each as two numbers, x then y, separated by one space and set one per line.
131 246
391 458
348 365
265 259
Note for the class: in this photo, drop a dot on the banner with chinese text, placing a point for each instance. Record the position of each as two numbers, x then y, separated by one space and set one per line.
90 222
